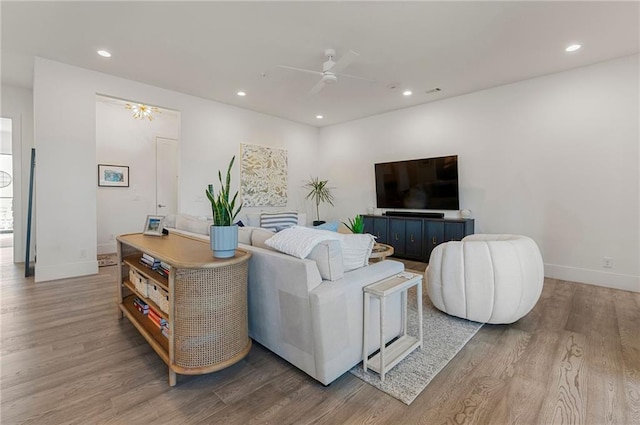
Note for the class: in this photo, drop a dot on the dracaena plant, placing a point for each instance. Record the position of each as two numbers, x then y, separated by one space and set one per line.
224 212
356 224
319 192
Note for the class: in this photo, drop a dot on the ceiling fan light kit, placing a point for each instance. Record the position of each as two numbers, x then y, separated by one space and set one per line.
330 69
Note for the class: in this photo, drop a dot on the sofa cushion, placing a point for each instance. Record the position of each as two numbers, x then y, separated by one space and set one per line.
259 236
328 258
356 249
299 241
193 224
244 234
278 221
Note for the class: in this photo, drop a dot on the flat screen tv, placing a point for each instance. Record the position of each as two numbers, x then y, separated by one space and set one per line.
430 184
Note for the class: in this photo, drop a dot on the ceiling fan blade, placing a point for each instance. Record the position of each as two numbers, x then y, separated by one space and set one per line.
315 89
344 61
300 69
355 77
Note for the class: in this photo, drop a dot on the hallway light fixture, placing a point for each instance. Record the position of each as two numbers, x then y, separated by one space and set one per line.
141 111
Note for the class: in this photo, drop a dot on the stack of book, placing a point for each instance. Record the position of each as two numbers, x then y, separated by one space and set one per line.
142 306
159 321
163 269
150 262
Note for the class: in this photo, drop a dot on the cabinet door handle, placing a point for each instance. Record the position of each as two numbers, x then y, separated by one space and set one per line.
412 238
396 236
434 240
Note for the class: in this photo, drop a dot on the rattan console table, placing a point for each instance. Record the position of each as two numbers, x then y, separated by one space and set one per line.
206 311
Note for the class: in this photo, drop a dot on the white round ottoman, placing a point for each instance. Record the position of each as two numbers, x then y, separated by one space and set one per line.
486 278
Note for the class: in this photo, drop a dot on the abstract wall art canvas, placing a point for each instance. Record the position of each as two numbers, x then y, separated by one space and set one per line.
263 176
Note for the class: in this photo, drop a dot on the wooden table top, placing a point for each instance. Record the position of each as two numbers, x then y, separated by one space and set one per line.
381 250
181 251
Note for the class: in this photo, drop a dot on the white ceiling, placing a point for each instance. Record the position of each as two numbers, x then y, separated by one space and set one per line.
214 49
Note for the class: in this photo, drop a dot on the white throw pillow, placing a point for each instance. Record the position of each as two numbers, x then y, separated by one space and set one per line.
356 249
252 219
299 241
278 221
328 258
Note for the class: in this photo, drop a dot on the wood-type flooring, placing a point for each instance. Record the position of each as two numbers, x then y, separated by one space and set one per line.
66 359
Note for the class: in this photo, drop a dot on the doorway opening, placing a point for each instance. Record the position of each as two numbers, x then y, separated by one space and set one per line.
144 140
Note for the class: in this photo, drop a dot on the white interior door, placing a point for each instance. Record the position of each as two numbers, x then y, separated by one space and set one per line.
166 176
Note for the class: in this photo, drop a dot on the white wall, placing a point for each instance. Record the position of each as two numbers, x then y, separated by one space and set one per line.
123 140
555 158
17 104
65 137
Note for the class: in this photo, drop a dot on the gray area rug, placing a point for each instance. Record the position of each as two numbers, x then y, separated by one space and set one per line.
444 336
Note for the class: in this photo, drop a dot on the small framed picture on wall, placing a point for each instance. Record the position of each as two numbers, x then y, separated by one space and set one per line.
154 225
113 175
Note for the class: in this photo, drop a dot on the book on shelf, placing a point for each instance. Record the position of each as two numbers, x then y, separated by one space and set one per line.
164 269
140 305
155 319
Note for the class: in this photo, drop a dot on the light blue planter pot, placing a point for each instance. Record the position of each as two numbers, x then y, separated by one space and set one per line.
224 241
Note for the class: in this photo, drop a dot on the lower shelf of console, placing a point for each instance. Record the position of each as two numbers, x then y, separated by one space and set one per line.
146 327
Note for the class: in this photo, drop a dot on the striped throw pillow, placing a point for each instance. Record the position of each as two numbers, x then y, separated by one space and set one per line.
278 221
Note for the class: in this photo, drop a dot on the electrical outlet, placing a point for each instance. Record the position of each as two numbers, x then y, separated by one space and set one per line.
83 253
607 262
112 237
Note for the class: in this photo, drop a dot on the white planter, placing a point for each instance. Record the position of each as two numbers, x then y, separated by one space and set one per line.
224 241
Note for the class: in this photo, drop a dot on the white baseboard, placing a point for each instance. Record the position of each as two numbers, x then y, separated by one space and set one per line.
62 271
106 248
625 282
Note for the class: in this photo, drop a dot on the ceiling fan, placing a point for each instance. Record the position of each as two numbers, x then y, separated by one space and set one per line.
330 69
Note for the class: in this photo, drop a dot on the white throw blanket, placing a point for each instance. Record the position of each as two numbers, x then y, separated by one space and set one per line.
299 241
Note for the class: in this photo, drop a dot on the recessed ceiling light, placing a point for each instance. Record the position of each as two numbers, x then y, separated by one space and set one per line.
241 93
407 92
573 48
104 53
319 117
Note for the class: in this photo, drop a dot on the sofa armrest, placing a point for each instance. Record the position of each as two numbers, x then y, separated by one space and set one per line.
337 309
279 312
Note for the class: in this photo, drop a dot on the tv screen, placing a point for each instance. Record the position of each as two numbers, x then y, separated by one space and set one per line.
430 183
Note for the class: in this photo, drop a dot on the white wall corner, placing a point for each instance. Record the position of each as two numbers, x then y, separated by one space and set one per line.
593 277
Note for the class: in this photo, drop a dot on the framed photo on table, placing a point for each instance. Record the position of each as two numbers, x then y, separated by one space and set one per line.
113 175
154 225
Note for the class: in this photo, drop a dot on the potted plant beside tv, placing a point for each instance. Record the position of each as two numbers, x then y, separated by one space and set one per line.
356 224
223 233
319 192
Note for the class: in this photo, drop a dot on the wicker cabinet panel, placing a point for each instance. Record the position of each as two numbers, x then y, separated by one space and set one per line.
210 315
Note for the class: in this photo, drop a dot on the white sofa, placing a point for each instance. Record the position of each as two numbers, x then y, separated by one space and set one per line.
486 278
295 311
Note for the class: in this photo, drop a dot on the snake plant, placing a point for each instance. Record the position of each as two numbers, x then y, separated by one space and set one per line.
224 212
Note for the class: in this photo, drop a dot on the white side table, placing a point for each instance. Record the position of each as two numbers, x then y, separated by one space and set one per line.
391 355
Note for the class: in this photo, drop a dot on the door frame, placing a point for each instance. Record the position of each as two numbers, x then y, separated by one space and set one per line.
179 171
